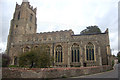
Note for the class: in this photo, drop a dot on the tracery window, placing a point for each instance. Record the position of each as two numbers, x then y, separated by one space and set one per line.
75 54
27 48
90 51
59 54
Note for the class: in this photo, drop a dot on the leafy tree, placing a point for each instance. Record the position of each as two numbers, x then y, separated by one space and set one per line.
5 60
91 30
113 63
113 55
28 59
118 55
37 58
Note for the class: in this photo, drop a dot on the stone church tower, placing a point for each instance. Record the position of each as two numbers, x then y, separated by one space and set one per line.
23 23
67 48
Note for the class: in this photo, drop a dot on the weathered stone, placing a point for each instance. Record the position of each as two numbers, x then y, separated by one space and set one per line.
52 72
22 37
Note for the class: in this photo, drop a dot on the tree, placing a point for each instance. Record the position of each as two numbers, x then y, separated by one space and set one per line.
113 55
5 60
37 58
118 55
28 59
91 30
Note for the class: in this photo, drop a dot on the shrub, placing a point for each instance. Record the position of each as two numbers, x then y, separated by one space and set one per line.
12 66
37 58
112 63
64 76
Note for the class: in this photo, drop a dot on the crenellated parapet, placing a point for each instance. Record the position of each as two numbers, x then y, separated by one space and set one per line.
17 6
26 4
31 7
61 31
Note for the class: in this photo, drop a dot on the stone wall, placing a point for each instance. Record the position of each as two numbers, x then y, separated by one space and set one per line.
52 72
66 39
22 35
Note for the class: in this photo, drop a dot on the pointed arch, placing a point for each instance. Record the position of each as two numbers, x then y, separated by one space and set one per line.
59 54
36 47
90 51
15 60
27 48
75 53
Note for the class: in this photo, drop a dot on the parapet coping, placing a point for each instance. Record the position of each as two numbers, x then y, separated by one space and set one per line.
70 30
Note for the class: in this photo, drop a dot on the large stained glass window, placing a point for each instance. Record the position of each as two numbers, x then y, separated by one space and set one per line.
59 55
75 54
90 51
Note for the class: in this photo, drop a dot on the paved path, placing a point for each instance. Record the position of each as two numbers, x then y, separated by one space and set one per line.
108 74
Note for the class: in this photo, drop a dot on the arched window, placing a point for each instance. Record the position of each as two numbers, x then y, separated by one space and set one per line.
90 51
19 15
75 54
27 48
36 47
15 60
59 55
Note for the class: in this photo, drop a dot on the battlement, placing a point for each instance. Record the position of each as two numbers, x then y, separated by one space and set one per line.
33 9
18 6
61 31
28 5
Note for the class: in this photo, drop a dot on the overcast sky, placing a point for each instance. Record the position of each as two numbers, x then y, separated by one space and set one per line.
59 15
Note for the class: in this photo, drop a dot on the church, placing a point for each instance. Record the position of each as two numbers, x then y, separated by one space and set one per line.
67 48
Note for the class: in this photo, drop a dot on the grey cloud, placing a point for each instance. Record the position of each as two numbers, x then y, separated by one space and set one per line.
110 20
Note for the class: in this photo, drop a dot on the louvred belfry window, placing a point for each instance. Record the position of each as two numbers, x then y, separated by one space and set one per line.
19 15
